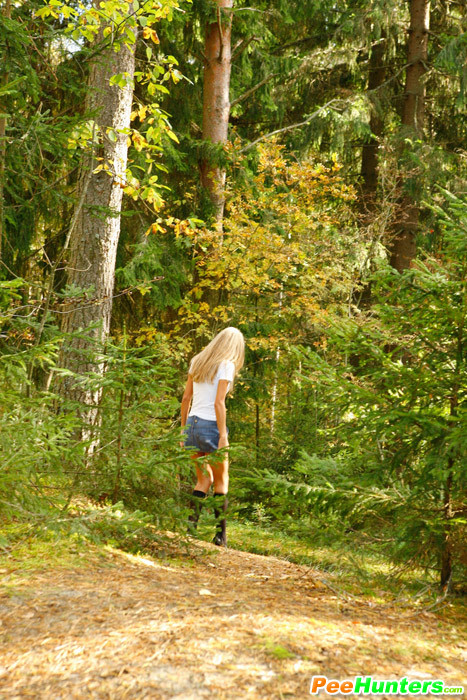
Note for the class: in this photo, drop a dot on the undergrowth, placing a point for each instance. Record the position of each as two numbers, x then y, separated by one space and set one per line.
84 536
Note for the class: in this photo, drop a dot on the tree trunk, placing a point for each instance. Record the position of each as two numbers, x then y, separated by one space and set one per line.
403 247
94 239
447 546
446 551
7 14
216 102
369 168
369 171
257 430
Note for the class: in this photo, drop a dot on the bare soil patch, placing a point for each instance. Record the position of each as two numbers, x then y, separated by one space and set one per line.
227 625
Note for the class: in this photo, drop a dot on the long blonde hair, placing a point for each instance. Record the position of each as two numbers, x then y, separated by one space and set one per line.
229 345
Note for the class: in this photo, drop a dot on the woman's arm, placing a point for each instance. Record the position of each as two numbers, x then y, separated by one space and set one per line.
221 412
186 400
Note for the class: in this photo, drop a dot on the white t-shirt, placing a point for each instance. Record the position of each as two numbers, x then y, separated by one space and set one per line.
204 393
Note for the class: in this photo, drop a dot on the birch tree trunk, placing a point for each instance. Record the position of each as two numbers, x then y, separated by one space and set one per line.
403 246
94 239
216 101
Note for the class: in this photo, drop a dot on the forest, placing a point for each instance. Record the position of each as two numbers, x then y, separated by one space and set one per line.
295 169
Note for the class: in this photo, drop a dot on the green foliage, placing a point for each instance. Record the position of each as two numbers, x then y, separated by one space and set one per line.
139 460
453 58
396 439
44 464
352 423
158 271
37 450
41 100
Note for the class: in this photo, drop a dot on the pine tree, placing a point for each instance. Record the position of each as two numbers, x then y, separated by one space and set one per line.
403 245
6 12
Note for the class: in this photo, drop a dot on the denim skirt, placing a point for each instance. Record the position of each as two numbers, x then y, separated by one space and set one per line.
201 434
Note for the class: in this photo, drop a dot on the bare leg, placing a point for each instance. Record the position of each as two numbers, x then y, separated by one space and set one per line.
204 474
220 473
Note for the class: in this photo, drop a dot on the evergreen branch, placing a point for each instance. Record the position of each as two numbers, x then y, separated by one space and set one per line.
251 9
99 300
65 245
291 44
252 90
90 302
242 45
292 126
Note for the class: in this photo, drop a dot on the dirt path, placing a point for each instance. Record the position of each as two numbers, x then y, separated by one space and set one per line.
229 625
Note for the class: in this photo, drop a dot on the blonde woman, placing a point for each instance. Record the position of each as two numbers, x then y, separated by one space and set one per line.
210 377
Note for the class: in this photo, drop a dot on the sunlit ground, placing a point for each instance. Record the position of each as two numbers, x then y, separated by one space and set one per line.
84 620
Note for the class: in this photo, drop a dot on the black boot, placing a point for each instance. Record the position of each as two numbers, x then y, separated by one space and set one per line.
196 504
220 537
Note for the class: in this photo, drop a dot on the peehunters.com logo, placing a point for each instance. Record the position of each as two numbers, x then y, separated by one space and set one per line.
367 685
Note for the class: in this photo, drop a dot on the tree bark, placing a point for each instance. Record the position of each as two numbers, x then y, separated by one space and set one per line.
216 102
447 546
369 169
446 551
403 246
94 239
7 14
370 161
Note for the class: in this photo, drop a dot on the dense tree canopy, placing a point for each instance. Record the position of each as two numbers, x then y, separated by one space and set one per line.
296 169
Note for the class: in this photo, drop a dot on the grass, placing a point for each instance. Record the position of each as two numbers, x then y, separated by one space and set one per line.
343 562
278 651
40 553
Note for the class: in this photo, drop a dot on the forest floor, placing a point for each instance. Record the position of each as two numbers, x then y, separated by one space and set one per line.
97 622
